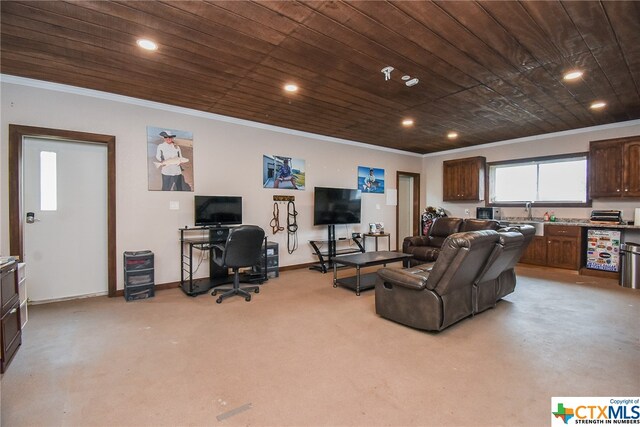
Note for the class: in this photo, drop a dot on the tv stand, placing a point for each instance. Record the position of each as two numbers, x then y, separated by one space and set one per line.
334 247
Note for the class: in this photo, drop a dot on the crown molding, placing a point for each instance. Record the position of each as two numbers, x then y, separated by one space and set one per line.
41 84
578 131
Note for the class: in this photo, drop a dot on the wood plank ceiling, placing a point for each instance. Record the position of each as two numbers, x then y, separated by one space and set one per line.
489 70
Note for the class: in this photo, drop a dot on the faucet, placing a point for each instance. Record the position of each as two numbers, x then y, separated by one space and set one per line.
527 208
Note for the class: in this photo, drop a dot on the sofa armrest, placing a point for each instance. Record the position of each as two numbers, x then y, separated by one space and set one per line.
414 241
404 278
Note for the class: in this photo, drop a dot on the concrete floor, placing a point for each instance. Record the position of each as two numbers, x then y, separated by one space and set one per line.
304 353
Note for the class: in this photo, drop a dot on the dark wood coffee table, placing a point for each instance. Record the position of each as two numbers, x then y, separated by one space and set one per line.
362 282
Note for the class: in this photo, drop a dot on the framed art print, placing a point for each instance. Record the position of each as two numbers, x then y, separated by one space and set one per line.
370 180
169 159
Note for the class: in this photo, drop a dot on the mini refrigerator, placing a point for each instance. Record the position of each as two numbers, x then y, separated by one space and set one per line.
603 249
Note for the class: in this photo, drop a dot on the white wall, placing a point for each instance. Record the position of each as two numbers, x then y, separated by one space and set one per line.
227 161
545 145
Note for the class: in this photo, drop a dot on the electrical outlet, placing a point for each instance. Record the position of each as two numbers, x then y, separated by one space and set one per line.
467 212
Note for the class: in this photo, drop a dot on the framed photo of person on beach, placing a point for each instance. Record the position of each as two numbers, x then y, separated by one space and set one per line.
169 159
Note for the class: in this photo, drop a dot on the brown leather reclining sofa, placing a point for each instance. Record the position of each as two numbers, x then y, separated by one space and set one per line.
427 248
473 271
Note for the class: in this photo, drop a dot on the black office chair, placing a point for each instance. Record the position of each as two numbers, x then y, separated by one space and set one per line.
242 249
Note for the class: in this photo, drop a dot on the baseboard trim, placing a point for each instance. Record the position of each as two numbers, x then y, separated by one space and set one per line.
160 287
297 266
599 273
172 285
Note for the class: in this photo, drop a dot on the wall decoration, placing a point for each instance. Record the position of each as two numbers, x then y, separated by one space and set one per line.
283 172
169 159
376 228
370 180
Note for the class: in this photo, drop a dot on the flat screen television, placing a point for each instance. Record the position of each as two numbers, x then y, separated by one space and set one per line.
336 206
218 210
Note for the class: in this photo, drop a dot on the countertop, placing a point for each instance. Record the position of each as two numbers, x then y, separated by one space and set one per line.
571 221
6 260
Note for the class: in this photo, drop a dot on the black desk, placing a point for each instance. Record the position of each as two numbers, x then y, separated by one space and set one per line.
204 239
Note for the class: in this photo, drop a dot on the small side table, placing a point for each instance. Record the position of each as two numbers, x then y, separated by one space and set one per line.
376 236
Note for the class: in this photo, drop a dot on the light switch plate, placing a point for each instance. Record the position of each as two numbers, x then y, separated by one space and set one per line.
174 205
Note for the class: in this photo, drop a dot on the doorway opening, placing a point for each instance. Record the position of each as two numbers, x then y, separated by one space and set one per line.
17 134
407 207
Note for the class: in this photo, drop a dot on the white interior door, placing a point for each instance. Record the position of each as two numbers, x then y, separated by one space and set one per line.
65 186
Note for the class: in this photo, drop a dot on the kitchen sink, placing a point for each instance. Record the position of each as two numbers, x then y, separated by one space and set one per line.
538 225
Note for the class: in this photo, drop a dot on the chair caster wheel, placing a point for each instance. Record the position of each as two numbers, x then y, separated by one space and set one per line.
257 291
213 294
219 300
247 299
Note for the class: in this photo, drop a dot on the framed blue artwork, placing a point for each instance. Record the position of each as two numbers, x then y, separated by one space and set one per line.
370 180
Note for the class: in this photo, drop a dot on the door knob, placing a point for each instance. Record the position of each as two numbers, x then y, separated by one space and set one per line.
31 217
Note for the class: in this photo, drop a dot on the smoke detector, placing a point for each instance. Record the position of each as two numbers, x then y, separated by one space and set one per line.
387 72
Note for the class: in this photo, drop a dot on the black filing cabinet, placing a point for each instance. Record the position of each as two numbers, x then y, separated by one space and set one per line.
11 335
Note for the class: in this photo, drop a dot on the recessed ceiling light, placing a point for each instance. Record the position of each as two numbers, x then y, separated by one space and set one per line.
291 87
452 135
147 44
597 105
572 75
407 122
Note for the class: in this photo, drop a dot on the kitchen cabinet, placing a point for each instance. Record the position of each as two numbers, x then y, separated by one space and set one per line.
563 246
463 179
10 332
614 168
559 247
536 252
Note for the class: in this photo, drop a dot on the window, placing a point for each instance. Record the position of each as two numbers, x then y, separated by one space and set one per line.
552 181
48 181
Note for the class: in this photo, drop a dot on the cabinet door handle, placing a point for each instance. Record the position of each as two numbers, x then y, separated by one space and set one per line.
617 190
626 189
13 311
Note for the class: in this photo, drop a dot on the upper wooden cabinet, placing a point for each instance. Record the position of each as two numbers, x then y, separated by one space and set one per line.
614 168
463 179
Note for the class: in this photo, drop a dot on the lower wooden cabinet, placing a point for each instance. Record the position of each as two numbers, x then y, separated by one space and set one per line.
563 246
559 247
536 252
10 332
